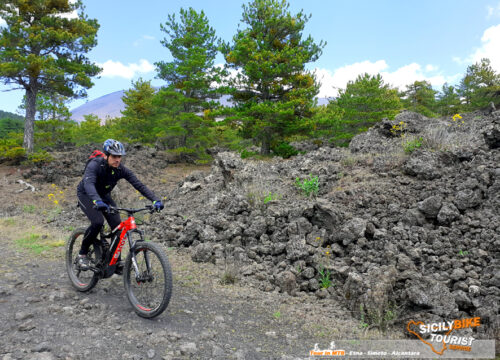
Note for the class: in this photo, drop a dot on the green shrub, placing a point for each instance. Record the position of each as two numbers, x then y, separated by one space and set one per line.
39 157
189 155
271 197
285 150
342 139
411 145
308 186
245 154
14 153
324 279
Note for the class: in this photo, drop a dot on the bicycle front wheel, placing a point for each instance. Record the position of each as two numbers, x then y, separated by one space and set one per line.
148 290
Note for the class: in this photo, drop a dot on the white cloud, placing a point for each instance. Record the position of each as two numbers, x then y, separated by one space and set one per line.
332 81
493 11
408 74
141 40
69 15
489 48
117 69
458 60
430 67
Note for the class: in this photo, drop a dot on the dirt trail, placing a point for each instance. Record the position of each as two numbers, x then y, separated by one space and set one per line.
43 317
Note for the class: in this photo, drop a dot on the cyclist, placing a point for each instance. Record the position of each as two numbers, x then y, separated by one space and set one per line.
94 195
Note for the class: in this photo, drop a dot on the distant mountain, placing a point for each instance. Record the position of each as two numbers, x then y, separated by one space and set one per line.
111 106
105 106
10 122
9 115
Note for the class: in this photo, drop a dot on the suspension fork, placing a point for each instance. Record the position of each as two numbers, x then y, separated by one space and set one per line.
148 262
132 253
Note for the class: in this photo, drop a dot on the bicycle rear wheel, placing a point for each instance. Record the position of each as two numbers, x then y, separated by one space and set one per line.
150 290
81 280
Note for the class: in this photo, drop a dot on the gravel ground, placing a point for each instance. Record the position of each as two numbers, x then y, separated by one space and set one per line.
43 317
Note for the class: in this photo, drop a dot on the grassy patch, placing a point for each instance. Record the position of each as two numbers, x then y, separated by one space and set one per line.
52 214
30 209
448 137
379 318
322 331
230 275
263 191
8 222
37 243
348 161
191 280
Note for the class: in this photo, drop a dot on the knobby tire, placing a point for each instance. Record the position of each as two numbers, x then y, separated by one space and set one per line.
149 295
81 280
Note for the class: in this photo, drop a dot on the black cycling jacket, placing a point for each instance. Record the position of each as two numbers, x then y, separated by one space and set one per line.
100 178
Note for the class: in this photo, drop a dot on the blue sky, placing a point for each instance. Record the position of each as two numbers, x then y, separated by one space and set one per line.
403 40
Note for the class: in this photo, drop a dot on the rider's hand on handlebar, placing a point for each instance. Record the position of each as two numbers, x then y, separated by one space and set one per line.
101 205
158 205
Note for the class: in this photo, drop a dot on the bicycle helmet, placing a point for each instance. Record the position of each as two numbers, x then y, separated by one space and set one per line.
113 147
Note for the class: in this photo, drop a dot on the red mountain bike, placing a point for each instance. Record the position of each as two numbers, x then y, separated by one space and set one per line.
146 274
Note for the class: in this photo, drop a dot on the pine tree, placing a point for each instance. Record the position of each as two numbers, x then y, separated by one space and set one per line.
367 100
448 101
41 49
137 122
192 79
480 85
273 92
420 97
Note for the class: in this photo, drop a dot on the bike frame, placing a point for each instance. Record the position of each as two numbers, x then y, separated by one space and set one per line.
127 226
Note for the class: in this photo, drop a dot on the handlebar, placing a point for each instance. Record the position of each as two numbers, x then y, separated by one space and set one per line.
113 209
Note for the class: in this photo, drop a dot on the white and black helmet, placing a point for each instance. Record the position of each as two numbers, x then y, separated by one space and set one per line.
113 147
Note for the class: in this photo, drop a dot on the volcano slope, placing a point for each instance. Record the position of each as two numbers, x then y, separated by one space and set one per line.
261 269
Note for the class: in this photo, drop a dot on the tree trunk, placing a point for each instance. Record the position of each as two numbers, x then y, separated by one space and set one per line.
29 123
182 141
265 148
